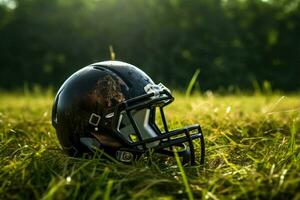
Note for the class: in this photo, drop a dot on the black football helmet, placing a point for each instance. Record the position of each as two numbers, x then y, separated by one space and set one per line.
114 106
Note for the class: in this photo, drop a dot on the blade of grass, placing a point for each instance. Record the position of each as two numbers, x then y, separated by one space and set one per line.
53 188
192 83
184 178
112 52
292 142
108 190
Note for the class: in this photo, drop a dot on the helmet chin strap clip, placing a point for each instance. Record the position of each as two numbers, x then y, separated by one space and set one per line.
124 156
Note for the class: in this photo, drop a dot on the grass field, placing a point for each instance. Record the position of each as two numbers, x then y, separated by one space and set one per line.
252 147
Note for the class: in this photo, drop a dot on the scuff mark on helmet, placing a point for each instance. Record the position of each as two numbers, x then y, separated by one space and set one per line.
107 91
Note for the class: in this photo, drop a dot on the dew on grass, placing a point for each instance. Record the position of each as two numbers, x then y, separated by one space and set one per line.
45 114
216 109
68 179
12 131
228 109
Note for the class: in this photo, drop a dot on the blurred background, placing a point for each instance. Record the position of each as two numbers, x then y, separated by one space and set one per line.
236 44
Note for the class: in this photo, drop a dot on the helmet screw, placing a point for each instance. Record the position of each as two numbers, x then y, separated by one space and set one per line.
127 156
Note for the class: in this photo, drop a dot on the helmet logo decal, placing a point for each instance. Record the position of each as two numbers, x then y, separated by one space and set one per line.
94 119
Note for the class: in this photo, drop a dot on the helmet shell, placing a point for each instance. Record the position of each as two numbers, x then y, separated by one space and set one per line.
93 89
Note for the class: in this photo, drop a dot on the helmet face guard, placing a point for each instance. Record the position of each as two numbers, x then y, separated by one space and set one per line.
134 122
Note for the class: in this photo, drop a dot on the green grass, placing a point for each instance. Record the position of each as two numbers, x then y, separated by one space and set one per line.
252 152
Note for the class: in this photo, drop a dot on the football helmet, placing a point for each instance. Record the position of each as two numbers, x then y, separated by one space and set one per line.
116 107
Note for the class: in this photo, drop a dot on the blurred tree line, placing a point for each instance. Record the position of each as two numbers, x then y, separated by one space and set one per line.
235 43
